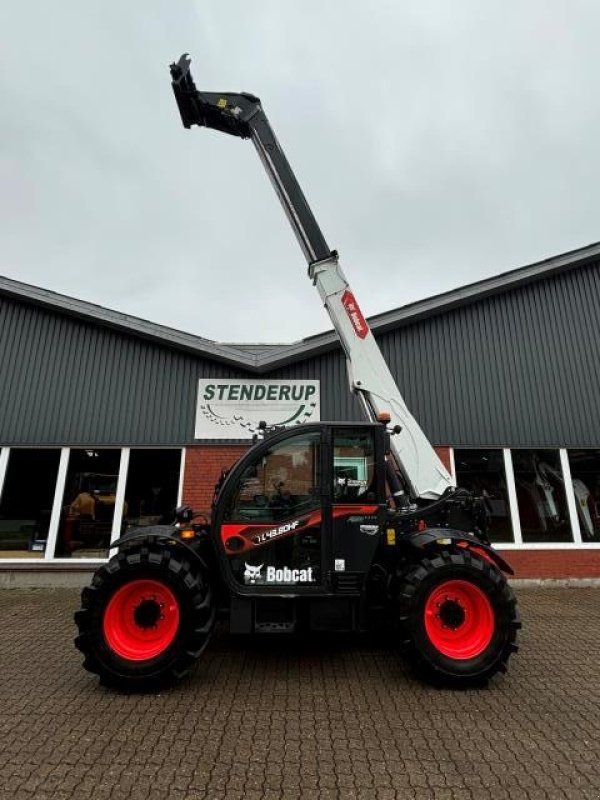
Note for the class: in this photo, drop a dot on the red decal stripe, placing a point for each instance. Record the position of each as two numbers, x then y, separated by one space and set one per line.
348 510
355 315
240 538
247 533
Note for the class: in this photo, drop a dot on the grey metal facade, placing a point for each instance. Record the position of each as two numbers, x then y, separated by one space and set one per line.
516 369
506 364
65 381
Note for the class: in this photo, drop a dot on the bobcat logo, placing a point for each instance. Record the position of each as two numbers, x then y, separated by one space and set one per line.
252 573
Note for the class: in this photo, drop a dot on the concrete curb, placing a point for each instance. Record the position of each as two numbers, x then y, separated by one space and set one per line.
44 579
555 583
70 579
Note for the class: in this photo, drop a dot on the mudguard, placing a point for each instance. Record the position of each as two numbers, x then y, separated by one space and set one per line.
433 538
167 533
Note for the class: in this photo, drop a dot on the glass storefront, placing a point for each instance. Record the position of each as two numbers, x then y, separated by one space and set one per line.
482 472
26 504
87 485
88 505
284 483
541 496
585 476
151 488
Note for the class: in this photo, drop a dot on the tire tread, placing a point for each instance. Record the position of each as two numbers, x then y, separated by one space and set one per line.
420 579
191 585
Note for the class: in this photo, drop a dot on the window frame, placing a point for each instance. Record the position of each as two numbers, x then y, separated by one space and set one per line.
227 516
501 453
59 490
577 543
377 482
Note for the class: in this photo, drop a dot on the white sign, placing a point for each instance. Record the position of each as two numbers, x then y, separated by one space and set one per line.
252 574
287 575
232 409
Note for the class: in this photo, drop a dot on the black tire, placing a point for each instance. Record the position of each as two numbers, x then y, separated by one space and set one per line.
190 617
488 637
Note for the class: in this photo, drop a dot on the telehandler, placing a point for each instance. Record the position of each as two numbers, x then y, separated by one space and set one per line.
330 526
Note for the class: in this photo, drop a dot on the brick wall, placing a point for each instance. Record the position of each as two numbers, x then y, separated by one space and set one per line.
203 465
443 454
576 563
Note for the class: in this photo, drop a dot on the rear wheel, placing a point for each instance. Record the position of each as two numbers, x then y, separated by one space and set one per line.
458 618
146 618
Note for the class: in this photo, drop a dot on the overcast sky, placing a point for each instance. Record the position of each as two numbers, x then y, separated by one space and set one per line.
438 142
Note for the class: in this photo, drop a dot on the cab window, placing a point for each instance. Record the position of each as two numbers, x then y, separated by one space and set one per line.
284 481
353 466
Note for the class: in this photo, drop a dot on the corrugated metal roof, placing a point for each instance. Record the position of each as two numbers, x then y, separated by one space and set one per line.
263 357
517 366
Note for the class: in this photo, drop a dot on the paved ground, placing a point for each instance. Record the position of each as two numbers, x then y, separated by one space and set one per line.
277 720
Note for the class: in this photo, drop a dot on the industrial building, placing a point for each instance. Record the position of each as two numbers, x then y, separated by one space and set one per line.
109 421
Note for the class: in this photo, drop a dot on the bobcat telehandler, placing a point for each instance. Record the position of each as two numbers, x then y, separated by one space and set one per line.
326 526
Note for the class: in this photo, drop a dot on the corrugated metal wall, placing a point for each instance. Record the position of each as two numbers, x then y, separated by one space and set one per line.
519 369
67 382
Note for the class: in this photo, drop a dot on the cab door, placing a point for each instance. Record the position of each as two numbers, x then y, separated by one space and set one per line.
273 522
358 503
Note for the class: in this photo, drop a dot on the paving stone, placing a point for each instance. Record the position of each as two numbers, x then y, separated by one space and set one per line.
288 719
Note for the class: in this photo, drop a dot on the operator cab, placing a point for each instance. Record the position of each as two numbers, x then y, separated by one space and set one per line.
301 512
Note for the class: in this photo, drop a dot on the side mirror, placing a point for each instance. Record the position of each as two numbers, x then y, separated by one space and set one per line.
184 514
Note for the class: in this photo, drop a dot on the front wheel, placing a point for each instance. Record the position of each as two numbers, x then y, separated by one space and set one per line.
458 617
146 618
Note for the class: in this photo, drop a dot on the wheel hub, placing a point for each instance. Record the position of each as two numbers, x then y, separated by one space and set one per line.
459 619
148 613
451 613
141 619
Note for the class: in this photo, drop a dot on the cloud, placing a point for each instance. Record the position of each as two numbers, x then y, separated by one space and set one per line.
437 143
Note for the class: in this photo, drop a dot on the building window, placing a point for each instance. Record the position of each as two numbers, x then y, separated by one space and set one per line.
482 472
26 504
151 489
585 474
88 503
541 496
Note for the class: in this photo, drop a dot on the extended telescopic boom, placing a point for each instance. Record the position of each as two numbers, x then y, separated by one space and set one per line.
370 378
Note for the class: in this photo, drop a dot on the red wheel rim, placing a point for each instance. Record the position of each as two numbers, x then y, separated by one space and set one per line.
459 619
141 620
